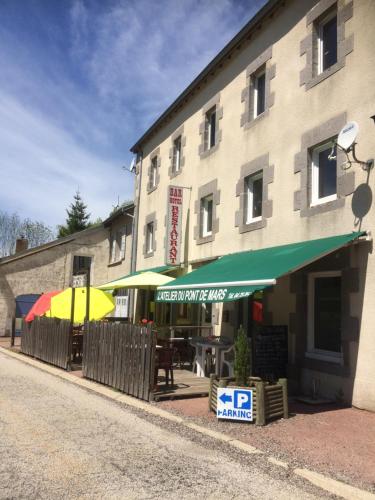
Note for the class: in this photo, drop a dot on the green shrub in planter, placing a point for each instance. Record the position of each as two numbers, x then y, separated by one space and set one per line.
242 358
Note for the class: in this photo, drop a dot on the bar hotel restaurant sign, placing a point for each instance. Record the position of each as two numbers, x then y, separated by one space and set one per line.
174 225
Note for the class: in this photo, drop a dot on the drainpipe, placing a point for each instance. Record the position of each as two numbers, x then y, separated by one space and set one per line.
135 225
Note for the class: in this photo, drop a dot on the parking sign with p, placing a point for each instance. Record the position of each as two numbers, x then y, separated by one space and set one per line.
234 404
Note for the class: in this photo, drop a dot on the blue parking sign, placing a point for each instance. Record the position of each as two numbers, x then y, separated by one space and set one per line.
242 399
234 404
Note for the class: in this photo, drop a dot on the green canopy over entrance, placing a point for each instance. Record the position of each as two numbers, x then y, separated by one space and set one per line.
238 275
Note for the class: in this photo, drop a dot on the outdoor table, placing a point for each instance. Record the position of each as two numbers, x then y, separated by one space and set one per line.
201 348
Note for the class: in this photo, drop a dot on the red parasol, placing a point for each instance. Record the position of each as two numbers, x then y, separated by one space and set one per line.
42 305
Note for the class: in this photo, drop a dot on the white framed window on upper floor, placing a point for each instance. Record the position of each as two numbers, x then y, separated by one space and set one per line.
118 246
254 197
210 128
324 316
177 147
153 172
323 173
206 216
259 93
326 49
150 238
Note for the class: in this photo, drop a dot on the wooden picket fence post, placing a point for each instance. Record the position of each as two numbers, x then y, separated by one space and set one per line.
122 356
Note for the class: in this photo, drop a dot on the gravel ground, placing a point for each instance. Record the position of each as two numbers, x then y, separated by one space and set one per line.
339 442
61 441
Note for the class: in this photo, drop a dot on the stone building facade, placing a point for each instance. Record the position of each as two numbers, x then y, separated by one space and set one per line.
51 266
267 110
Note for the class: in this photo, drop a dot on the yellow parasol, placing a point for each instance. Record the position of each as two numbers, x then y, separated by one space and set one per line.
145 280
101 304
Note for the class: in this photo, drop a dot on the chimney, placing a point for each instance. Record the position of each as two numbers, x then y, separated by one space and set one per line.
21 244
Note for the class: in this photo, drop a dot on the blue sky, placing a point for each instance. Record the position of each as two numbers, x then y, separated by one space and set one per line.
80 81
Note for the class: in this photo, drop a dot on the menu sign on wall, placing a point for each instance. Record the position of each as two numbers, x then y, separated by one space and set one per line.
174 225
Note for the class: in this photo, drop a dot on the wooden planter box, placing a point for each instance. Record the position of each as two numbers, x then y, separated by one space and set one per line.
270 401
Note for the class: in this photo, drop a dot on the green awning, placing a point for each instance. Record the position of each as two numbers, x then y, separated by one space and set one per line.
240 274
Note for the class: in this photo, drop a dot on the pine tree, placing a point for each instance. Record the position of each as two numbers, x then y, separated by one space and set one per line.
78 218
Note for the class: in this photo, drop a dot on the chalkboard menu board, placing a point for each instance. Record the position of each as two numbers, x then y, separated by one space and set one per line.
271 352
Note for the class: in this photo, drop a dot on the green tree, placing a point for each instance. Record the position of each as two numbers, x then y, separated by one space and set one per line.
78 218
242 358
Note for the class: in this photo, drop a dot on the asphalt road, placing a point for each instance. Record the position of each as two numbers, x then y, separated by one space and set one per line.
58 440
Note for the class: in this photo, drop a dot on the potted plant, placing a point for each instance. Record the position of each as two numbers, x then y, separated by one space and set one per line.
270 400
242 358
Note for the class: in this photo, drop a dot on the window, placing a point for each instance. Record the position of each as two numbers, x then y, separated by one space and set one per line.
206 216
259 82
177 155
254 197
118 246
153 171
327 42
150 237
323 174
81 264
210 128
324 315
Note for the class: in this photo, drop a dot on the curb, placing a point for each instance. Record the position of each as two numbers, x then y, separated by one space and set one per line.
332 486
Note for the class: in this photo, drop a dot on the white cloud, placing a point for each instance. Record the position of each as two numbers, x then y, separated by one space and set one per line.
42 167
144 53
77 92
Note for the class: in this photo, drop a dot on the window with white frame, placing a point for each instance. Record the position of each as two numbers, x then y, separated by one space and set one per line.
259 94
177 155
150 237
206 216
254 197
324 316
323 173
153 171
210 128
326 30
118 245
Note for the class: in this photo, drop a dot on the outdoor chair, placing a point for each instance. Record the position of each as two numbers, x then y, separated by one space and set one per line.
209 359
227 360
184 353
164 361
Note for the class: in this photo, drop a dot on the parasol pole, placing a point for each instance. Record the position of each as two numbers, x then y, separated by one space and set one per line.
88 284
71 326
87 319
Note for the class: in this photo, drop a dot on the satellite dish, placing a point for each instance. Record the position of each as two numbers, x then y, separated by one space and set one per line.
348 135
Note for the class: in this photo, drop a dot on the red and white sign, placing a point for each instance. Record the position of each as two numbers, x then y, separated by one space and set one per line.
174 225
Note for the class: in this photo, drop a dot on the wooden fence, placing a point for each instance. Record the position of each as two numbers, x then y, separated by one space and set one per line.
121 356
48 339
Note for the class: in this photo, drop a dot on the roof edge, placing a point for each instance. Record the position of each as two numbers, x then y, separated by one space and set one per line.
50 244
258 17
123 210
